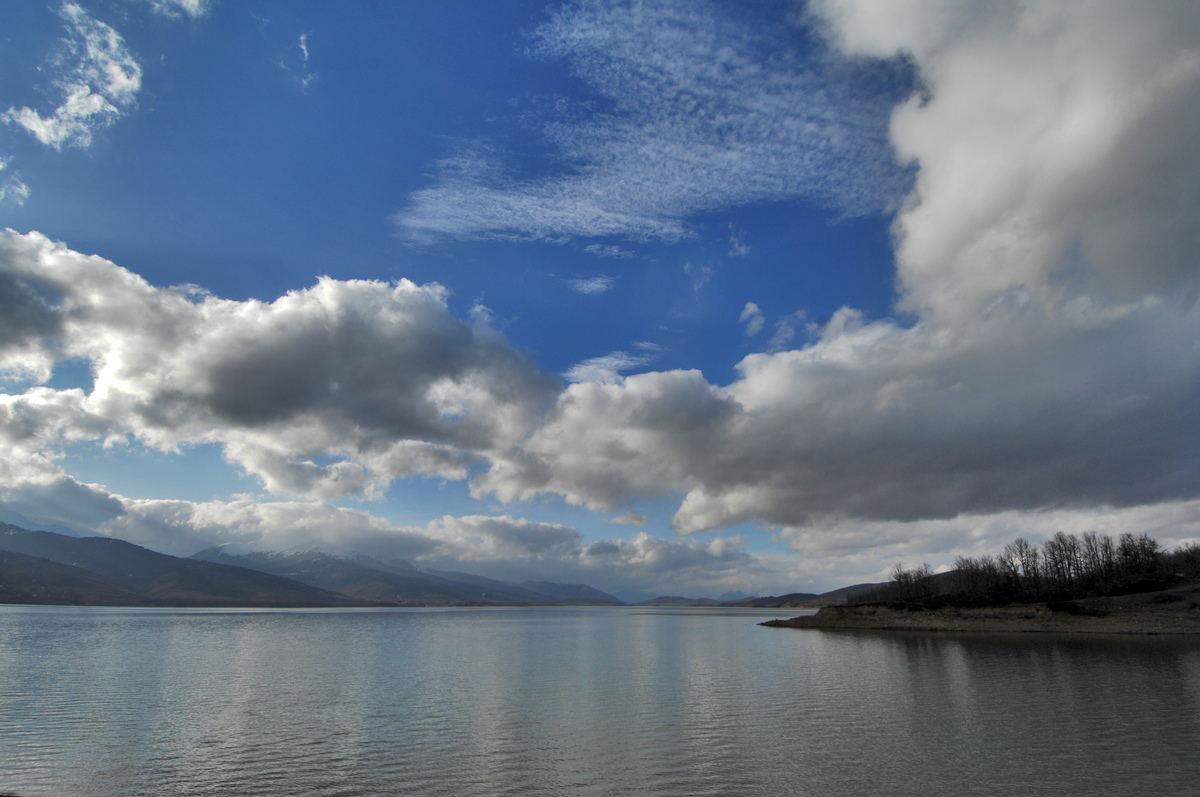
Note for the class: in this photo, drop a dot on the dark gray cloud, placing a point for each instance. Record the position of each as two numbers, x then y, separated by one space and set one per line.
25 315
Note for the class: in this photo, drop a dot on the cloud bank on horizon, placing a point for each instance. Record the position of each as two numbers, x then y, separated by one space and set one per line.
1045 375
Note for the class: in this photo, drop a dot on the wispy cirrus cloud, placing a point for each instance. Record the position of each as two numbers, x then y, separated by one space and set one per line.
702 106
592 286
96 76
737 243
12 188
611 251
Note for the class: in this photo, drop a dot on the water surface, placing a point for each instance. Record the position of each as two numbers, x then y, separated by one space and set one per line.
578 701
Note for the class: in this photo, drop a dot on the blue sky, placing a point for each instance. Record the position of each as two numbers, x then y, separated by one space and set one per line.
788 291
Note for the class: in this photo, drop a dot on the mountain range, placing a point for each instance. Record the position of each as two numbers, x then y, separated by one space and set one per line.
401 583
45 567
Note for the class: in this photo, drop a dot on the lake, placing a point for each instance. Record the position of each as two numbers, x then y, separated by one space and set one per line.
565 701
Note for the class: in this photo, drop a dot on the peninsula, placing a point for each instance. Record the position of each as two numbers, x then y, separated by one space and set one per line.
1090 584
1170 611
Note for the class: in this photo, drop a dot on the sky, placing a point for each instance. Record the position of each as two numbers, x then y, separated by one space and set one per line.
691 298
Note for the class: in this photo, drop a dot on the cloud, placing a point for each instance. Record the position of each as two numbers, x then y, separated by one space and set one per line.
12 189
1055 146
612 251
697 109
877 421
753 318
785 328
1050 254
848 551
607 440
193 9
1047 365
500 546
97 77
592 286
304 78
871 434
516 549
700 275
608 367
630 518
737 243
326 392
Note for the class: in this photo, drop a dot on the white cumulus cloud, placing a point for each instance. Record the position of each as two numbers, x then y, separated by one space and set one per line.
326 392
1055 146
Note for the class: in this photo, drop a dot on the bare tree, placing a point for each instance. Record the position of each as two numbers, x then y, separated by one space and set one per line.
1138 557
1030 560
1098 561
1185 560
1062 562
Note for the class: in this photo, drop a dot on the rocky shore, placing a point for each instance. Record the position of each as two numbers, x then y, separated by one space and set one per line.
1172 611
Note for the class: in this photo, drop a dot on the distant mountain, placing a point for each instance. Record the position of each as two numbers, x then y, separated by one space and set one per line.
676 600
633 596
371 579
578 594
843 594
14 518
791 600
778 601
152 579
491 585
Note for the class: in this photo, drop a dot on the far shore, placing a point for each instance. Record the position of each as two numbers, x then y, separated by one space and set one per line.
1171 611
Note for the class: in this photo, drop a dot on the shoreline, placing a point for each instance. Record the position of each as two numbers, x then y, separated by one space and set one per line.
1173 611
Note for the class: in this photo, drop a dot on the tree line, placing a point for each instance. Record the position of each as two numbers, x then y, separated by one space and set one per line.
1062 568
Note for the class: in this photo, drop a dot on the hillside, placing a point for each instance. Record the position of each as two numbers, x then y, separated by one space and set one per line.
34 580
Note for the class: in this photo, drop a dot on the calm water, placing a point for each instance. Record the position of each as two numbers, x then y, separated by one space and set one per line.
578 701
